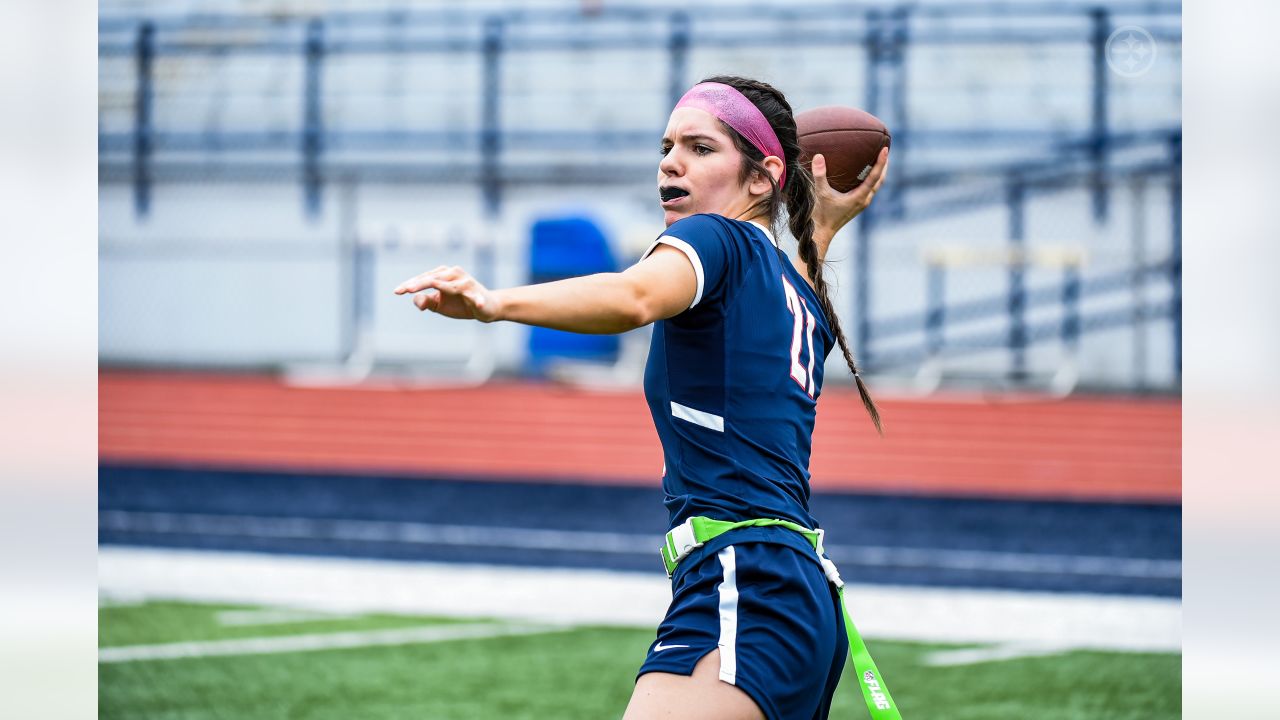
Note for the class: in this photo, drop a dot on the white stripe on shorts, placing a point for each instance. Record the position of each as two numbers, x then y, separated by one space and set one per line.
729 617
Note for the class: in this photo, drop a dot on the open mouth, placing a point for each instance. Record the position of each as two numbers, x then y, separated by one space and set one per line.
670 194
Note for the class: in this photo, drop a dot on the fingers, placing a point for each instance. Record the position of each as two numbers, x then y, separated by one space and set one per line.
416 282
869 187
427 279
429 300
819 170
460 297
466 288
881 169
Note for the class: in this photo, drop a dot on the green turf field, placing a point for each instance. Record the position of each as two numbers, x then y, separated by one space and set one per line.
582 672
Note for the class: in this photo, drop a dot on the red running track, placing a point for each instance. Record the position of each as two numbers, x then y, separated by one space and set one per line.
1081 448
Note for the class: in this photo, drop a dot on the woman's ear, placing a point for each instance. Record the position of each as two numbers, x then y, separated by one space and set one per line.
760 185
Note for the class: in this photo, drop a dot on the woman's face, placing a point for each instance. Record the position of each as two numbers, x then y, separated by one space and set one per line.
699 169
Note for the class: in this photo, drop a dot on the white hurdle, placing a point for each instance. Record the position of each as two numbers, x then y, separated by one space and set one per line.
390 346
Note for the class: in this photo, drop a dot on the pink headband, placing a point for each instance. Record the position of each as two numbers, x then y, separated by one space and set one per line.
739 113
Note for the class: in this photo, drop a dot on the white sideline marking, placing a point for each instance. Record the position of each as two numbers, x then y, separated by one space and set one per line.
565 596
611 543
242 618
306 643
993 653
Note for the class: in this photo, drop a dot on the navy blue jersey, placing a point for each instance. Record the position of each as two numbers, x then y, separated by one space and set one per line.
733 381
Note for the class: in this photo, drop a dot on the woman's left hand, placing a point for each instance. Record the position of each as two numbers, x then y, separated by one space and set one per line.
834 209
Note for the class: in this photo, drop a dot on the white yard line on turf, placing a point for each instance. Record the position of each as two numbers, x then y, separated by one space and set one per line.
993 653
413 533
319 641
543 595
275 616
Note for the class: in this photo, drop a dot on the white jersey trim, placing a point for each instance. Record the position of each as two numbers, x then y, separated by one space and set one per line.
697 417
728 643
767 233
692 254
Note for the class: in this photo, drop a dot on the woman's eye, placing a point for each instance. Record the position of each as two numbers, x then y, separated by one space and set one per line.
701 149
664 150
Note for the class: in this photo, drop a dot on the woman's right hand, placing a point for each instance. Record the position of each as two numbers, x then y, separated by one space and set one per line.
451 292
833 209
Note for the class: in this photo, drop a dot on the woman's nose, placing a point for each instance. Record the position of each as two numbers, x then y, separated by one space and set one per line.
670 165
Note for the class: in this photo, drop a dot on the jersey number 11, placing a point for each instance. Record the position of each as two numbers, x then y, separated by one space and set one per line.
803 324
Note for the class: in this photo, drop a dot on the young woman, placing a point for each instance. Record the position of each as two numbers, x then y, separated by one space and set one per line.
755 628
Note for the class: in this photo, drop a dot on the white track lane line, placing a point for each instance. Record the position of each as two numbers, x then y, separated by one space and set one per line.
286 528
566 596
319 641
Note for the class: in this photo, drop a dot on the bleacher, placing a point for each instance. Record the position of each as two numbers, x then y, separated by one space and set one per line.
358 146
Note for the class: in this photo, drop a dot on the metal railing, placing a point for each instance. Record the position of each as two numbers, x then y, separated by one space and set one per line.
317 155
884 34
940 321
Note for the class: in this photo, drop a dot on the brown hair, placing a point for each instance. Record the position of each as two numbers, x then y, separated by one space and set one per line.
800 201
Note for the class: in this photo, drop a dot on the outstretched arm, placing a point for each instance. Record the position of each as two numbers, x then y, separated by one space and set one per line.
659 286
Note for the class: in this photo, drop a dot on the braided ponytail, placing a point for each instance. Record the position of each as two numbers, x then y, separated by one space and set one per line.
800 201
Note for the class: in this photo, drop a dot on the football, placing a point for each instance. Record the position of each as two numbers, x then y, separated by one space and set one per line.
850 139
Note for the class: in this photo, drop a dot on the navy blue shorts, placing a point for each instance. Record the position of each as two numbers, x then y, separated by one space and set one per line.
774 616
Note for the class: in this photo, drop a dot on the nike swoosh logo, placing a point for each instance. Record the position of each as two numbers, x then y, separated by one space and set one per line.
660 647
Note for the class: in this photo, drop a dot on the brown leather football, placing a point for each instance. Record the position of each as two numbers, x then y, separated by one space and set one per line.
850 139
